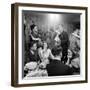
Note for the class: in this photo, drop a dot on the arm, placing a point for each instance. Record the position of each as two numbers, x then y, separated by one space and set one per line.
37 39
67 63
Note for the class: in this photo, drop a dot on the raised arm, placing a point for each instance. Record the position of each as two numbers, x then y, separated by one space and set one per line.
37 39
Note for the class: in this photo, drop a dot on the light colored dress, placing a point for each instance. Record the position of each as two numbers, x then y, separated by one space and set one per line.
45 55
34 71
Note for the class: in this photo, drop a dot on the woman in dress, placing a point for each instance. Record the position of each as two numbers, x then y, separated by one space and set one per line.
45 54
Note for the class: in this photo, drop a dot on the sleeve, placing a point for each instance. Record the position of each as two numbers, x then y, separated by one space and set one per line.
35 39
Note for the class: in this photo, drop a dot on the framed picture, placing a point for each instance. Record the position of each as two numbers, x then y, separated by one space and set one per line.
48 44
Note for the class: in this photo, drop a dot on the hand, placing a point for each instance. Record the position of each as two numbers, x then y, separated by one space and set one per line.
42 65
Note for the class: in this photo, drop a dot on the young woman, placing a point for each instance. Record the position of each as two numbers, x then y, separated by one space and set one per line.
34 33
45 54
73 62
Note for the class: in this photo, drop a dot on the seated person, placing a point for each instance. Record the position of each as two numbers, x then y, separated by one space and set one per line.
76 65
34 33
74 62
34 71
32 65
56 67
45 54
70 57
56 52
33 55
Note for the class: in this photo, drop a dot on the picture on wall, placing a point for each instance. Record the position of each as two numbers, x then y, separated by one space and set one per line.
49 44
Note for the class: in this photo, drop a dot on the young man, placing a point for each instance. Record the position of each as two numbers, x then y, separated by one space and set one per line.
64 43
56 67
31 68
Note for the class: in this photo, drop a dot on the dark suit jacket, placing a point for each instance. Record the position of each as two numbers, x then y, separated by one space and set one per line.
64 39
56 68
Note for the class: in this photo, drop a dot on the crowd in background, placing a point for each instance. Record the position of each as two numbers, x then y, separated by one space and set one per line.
51 53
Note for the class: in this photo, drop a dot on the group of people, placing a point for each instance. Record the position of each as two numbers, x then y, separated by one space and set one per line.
62 59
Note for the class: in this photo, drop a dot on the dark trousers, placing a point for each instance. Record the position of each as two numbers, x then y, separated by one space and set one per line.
64 54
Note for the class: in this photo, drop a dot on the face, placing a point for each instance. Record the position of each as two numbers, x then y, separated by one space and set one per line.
35 30
34 47
77 31
45 45
61 28
57 43
69 53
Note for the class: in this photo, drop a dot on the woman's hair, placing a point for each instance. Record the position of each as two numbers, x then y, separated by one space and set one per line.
32 26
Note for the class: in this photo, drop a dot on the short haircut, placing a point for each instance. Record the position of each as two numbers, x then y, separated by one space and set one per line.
39 45
56 51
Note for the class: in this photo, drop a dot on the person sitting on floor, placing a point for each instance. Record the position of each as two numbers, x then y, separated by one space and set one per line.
74 62
45 55
56 67
32 66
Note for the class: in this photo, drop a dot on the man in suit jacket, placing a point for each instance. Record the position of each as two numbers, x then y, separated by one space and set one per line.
64 43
